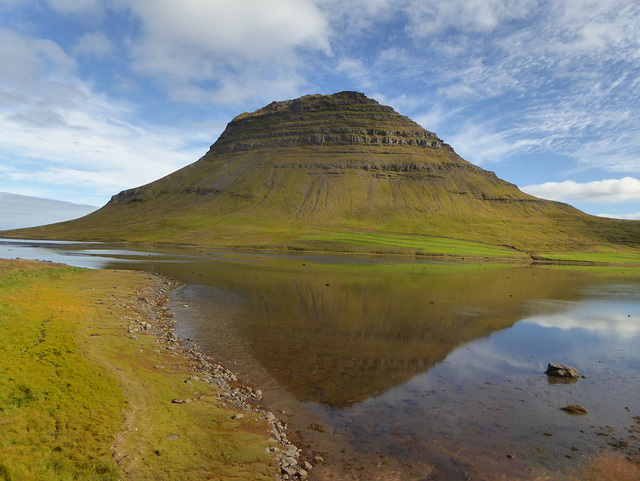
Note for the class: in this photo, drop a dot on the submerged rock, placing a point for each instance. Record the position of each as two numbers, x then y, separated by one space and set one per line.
574 409
560 370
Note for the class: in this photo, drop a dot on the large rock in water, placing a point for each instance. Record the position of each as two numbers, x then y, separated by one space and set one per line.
560 370
332 163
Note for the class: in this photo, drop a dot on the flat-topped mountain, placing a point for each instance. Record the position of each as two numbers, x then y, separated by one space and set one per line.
295 173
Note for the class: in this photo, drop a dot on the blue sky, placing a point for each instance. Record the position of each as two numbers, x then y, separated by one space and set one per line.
97 96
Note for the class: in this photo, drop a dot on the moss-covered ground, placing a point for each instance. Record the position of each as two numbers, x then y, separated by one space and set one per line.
81 399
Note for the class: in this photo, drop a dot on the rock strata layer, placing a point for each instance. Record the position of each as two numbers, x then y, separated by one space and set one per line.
345 118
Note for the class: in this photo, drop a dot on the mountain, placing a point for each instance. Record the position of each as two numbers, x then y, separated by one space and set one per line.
337 172
25 211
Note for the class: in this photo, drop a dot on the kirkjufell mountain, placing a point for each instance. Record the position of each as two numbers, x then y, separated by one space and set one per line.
307 173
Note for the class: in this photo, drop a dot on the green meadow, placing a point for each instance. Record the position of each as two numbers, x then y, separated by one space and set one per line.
80 399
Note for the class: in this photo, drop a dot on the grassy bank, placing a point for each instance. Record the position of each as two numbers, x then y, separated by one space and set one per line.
81 398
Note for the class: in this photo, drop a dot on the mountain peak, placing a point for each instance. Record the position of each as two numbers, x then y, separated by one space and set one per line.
344 118
314 102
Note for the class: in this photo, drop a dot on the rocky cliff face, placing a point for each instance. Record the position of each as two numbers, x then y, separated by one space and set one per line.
345 118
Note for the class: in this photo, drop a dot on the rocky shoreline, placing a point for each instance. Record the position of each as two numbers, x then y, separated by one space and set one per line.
154 319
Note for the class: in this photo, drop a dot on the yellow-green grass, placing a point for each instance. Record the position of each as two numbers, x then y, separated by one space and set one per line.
603 255
419 245
81 399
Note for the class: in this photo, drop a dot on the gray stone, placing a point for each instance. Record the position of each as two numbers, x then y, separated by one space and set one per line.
181 401
289 470
560 370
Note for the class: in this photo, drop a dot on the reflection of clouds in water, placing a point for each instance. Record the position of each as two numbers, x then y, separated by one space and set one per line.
595 336
617 317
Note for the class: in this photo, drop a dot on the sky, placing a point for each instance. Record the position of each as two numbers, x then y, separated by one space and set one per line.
98 96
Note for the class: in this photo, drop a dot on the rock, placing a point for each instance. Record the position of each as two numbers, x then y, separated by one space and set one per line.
181 401
559 370
289 470
238 416
316 427
306 465
574 409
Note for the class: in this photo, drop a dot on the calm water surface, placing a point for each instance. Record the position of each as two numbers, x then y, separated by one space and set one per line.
403 359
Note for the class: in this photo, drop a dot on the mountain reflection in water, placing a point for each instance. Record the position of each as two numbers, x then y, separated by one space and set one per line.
340 334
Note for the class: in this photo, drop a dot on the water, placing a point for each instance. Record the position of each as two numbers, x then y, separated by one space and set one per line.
419 362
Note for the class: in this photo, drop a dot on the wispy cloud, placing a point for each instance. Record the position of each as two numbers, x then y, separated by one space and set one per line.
54 126
226 52
432 17
610 191
75 6
96 44
634 216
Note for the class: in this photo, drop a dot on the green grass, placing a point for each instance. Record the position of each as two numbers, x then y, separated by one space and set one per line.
601 256
78 393
420 245
58 411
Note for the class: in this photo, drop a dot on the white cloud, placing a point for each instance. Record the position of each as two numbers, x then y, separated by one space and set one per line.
357 72
480 144
207 46
29 59
635 216
609 191
96 44
75 6
55 129
428 17
592 317
594 27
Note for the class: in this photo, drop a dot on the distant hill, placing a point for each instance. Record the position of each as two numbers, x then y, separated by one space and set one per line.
338 172
18 211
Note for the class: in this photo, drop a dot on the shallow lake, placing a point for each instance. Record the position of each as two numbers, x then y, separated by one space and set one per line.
418 362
